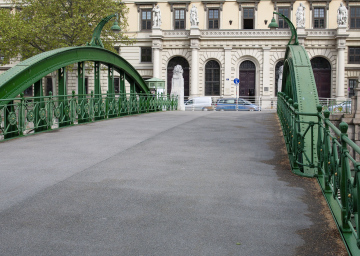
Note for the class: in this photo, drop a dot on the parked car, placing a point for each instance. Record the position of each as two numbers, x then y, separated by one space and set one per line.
229 104
199 103
343 107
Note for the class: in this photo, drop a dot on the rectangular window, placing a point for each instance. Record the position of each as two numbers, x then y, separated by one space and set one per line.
355 17
179 16
146 54
354 55
352 86
146 18
116 84
214 19
319 17
286 12
248 18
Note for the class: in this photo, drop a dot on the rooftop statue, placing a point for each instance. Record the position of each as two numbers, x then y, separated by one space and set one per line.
194 19
342 15
156 17
300 16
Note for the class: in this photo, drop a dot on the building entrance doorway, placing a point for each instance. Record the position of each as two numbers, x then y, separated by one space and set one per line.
247 80
170 68
322 73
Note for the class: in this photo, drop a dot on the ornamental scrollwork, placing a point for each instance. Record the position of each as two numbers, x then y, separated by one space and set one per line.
42 114
57 112
12 118
30 116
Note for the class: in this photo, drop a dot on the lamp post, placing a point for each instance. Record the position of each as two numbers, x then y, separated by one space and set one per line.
96 40
273 24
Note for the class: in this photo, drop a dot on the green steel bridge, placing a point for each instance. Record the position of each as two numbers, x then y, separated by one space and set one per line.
316 148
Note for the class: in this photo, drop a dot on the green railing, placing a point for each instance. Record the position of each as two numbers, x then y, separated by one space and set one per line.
337 164
27 115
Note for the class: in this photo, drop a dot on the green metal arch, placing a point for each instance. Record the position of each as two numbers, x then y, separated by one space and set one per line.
299 85
20 77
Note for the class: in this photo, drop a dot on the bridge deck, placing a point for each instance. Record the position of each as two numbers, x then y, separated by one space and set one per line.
174 183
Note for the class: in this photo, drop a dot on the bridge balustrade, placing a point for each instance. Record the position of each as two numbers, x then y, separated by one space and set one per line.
338 168
27 115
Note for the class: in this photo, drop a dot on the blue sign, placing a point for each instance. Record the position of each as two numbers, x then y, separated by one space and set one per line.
236 80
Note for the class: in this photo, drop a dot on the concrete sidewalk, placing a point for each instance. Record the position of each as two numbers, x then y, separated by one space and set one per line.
172 183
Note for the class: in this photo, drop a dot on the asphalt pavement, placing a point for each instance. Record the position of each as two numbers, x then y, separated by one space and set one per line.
170 183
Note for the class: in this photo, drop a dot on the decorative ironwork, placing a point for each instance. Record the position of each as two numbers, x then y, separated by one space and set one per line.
42 114
57 112
86 108
30 116
78 110
12 118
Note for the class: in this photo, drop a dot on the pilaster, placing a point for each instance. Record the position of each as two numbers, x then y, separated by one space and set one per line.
341 36
266 70
195 46
157 47
227 72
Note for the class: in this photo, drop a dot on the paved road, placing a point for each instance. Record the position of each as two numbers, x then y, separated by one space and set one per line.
173 183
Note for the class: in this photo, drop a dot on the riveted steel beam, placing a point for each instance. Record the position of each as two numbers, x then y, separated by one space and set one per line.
26 73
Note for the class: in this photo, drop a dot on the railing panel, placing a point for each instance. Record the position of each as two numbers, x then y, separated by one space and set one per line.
23 116
338 171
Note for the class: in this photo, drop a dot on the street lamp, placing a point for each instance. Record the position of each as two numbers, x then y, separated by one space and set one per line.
274 25
96 40
116 28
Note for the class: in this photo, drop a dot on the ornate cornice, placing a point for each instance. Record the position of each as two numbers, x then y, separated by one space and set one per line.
291 2
319 1
139 4
255 2
186 3
351 1
220 3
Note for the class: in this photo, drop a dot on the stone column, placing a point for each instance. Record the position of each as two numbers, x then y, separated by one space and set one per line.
266 71
194 45
156 46
340 70
227 70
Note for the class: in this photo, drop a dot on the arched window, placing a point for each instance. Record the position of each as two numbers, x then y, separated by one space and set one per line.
278 65
212 78
322 73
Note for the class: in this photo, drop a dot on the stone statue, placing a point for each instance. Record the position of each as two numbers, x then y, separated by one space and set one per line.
194 19
280 73
342 15
156 17
300 16
177 86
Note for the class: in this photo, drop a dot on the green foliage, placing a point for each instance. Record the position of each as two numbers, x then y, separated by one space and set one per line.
35 26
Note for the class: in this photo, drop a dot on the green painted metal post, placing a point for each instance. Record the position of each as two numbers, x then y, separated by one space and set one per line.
81 92
39 123
327 149
344 177
97 91
110 102
64 119
81 78
22 115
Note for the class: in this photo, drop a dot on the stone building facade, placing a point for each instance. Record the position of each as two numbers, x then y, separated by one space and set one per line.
232 40
216 41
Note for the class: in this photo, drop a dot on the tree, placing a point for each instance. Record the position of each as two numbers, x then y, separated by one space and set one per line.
36 26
